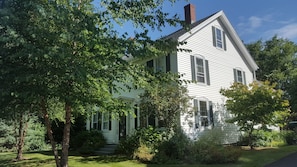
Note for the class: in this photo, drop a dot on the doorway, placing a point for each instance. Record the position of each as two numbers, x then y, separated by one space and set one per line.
122 128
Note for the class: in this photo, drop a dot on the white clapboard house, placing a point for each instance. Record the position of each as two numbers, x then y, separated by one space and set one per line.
217 59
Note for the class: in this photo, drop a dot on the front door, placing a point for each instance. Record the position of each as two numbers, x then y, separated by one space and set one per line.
122 128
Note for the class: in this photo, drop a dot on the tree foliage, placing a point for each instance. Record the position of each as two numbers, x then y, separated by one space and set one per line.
277 63
166 98
276 59
257 104
70 51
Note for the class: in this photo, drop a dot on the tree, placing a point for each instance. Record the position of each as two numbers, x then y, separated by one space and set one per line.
69 51
277 63
276 59
16 101
257 104
165 97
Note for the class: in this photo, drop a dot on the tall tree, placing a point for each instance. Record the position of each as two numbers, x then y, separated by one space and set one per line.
257 104
16 89
276 59
277 62
70 51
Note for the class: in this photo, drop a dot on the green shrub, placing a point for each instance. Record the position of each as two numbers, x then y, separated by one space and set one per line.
128 146
263 138
144 153
7 136
156 146
175 149
217 154
35 139
290 137
88 141
209 149
150 137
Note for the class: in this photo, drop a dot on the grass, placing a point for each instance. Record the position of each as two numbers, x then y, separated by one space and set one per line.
249 158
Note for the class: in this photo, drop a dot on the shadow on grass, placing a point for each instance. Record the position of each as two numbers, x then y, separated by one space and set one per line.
85 158
50 153
105 158
32 162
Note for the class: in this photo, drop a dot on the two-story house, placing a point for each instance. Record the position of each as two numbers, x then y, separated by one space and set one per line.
217 59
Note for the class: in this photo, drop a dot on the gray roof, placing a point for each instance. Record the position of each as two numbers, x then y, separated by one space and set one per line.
177 35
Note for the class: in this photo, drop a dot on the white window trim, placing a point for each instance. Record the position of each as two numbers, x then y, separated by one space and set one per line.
197 113
204 69
94 119
219 40
242 76
105 115
219 43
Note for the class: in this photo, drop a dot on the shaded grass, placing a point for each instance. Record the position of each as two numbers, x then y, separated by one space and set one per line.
249 158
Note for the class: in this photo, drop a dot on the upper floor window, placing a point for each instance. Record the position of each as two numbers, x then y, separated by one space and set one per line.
161 64
239 76
219 38
200 69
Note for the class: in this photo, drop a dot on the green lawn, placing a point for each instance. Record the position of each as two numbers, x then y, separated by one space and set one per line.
254 158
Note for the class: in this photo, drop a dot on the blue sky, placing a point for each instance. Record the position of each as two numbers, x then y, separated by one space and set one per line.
252 19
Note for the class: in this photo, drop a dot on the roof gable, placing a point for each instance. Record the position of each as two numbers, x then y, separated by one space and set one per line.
183 34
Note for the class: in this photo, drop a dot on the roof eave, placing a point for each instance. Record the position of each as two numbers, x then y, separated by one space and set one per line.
238 41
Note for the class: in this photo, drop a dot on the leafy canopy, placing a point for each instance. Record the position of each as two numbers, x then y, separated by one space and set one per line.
258 103
165 97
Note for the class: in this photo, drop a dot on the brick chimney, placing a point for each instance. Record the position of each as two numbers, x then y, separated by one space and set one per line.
190 15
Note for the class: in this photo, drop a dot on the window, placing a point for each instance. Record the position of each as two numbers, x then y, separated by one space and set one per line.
106 121
167 61
200 70
219 38
150 64
219 41
136 116
239 76
151 120
95 121
203 113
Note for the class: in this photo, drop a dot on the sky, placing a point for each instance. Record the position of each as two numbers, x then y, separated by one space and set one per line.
253 20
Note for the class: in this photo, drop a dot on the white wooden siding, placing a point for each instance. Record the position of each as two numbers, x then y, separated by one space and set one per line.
221 65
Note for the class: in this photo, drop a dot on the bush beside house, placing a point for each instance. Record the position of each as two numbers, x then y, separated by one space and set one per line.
152 145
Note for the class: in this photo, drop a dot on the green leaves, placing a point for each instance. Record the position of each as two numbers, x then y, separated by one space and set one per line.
165 97
260 103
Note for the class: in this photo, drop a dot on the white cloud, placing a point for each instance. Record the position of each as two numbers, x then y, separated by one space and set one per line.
266 26
288 31
251 24
255 22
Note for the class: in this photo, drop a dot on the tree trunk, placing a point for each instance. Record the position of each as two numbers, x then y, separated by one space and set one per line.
66 136
21 137
251 139
49 131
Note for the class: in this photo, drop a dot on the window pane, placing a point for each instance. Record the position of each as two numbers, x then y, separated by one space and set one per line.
105 125
204 121
219 38
201 79
105 121
239 76
203 113
203 108
199 63
200 70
